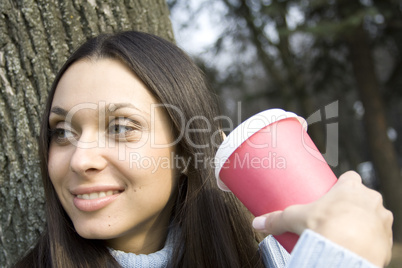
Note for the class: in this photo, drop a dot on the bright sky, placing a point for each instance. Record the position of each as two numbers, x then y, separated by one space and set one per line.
202 28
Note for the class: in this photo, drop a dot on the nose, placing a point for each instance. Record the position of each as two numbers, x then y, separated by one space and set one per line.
88 158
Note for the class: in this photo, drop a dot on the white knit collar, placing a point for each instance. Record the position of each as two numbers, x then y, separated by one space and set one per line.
157 259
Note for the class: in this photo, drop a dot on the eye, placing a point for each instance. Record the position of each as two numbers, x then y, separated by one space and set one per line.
119 129
123 128
61 135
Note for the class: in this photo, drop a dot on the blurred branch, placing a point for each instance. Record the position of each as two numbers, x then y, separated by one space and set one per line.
257 38
172 3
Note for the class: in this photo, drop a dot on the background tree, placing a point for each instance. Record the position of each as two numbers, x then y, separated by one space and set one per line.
35 39
302 55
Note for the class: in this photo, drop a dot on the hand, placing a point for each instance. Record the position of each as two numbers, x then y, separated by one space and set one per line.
350 215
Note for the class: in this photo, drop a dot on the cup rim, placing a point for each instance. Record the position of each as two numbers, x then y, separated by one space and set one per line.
243 131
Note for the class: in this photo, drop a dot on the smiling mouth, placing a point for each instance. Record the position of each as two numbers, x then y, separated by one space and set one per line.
97 195
94 201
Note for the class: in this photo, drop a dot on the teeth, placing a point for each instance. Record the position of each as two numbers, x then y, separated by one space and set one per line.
96 195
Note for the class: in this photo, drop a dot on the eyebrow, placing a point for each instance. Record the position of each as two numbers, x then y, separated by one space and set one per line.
59 111
113 107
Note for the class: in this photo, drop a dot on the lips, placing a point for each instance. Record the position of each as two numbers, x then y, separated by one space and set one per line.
94 198
97 195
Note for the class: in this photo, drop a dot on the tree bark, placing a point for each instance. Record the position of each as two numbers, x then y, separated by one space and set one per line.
36 37
382 150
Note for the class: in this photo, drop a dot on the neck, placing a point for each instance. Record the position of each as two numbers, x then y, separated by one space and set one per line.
142 242
157 259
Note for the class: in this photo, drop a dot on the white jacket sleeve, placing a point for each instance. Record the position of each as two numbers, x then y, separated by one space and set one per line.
311 250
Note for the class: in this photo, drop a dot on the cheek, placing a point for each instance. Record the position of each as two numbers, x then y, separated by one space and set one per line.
57 165
165 172
158 188
155 168
52 164
148 166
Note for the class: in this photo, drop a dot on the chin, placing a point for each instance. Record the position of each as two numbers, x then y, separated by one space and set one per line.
93 232
96 236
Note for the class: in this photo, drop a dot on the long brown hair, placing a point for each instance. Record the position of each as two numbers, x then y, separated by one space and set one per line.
211 228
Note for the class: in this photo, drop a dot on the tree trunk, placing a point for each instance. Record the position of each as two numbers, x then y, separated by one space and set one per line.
35 39
382 150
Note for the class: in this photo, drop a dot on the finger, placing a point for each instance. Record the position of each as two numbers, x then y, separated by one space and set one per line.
350 176
265 222
389 255
348 183
389 218
292 219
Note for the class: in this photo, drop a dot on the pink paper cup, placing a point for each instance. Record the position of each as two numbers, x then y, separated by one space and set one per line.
269 162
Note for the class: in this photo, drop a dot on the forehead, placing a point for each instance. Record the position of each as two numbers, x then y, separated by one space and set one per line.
101 81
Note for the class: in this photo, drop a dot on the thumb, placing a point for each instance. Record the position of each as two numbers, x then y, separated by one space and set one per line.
279 222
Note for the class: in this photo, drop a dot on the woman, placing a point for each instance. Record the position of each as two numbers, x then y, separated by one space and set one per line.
127 121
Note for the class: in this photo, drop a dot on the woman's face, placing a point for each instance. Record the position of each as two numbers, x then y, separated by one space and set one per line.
110 158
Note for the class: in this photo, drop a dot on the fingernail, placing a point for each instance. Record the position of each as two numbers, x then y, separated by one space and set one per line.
259 223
